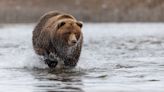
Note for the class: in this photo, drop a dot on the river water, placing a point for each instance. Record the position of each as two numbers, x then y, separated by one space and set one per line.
121 57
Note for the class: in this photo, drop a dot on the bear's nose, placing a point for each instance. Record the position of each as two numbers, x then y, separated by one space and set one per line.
74 41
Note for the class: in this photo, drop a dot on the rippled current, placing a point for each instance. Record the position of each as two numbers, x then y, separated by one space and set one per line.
115 58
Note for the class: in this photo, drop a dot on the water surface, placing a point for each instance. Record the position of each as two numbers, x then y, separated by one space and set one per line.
115 58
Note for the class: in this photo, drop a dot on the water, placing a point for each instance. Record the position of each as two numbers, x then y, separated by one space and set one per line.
115 58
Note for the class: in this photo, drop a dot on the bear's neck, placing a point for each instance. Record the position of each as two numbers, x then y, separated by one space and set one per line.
62 50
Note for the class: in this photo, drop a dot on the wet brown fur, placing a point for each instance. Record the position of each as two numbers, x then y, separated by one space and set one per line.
49 38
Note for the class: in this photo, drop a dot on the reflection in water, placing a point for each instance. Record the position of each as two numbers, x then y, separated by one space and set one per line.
58 80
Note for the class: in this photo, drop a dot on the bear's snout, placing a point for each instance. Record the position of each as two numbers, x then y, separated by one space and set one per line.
72 40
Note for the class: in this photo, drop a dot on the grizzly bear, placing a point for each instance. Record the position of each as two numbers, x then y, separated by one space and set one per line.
58 38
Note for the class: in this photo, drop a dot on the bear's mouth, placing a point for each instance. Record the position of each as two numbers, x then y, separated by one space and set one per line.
71 44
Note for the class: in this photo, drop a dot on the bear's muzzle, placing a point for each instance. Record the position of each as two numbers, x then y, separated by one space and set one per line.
72 40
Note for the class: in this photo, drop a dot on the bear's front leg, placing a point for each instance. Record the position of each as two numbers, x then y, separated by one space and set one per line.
50 60
51 64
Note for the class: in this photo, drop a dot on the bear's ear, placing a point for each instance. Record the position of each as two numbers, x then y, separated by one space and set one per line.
60 24
80 24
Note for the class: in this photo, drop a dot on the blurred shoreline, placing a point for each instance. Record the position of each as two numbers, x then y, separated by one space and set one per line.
29 11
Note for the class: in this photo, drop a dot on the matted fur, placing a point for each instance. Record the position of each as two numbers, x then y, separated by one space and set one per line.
45 40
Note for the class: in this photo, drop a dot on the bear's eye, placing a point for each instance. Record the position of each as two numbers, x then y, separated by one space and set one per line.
76 33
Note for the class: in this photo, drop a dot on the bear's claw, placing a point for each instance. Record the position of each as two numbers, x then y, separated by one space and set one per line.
51 64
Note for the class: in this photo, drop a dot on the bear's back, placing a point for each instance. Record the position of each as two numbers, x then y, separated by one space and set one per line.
44 19
58 18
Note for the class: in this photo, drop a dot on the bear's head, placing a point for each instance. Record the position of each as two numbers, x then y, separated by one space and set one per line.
67 31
